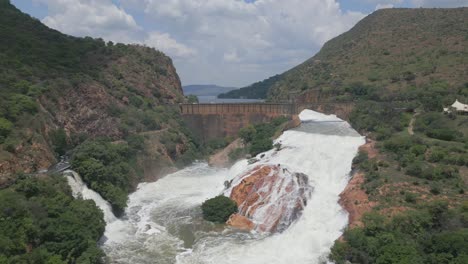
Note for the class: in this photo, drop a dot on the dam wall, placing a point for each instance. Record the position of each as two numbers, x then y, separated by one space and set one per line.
212 121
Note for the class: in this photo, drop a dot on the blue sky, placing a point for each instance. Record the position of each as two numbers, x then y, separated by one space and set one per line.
225 42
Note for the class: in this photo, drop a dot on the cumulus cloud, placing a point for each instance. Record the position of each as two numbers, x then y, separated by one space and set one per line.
239 42
230 42
166 43
96 18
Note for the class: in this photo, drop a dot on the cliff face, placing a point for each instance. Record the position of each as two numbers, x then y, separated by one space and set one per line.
52 83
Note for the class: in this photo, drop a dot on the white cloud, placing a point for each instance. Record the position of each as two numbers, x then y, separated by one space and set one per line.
165 43
383 6
229 42
237 42
96 18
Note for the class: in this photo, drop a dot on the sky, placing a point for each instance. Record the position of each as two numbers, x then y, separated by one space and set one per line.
224 42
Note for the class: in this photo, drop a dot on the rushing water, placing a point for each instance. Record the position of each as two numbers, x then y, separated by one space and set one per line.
81 191
163 222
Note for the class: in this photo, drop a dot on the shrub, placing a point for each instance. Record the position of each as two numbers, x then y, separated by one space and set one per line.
414 169
218 209
5 128
410 197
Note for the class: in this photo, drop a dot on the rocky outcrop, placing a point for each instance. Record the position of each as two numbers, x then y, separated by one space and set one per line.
354 199
271 197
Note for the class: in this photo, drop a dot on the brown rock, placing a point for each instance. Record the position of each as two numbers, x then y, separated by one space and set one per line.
271 196
355 200
240 222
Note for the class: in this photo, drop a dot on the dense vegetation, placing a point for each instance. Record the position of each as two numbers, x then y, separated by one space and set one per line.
107 168
258 137
258 90
432 234
40 222
218 209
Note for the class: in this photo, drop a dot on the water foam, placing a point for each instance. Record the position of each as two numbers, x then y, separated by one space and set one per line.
81 191
163 221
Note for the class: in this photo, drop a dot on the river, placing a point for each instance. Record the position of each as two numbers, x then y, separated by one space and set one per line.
163 222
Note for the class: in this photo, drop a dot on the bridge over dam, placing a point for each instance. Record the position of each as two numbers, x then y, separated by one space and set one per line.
211 121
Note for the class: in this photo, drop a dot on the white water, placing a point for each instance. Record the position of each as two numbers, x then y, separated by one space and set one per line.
163 221
81 191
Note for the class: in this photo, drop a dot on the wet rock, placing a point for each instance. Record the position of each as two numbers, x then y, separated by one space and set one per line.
271 197
240 222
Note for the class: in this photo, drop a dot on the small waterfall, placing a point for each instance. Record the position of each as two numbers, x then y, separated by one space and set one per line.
81 191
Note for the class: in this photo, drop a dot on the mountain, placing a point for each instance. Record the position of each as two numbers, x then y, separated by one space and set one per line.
258 90
206 90
390 51
58 91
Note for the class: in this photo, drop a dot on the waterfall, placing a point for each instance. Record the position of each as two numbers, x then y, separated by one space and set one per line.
81 191
163 222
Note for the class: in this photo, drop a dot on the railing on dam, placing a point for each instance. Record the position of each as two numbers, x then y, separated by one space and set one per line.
239 108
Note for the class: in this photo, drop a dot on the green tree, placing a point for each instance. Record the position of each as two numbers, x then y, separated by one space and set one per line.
218 209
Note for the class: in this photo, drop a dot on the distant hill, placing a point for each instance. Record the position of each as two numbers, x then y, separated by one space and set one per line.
206 89
258 90
390 51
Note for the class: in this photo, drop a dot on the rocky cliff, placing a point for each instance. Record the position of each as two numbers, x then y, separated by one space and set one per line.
58 90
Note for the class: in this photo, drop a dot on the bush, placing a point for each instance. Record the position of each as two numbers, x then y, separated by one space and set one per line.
5 128
40 222
218 209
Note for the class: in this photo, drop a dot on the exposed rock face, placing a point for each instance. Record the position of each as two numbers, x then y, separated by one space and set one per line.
271 197
354 199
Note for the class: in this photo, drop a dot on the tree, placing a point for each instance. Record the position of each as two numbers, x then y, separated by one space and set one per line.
192 99
218 209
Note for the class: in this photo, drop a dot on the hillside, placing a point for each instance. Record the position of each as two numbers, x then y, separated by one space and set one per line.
392 50
258 90
206 89
60 92
50 81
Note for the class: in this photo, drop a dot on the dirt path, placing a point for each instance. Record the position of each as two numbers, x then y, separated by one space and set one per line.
411 124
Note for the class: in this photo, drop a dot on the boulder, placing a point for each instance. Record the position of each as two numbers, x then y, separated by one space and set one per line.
271 197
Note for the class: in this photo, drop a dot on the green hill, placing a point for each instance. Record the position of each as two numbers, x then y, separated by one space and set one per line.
391 51
258 90
52 84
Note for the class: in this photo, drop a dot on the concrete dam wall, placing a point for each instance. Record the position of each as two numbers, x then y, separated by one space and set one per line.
210 121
